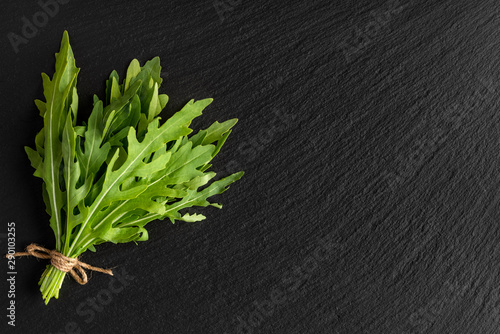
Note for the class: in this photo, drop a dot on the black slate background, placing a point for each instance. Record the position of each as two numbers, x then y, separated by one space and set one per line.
369 135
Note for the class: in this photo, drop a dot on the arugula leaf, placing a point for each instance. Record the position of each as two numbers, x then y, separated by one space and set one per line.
104 180
60 93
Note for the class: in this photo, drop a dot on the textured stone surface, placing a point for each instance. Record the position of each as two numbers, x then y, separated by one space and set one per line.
369 136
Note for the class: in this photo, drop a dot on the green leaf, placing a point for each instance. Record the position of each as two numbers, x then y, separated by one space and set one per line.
133 70
95 150
57 95
75 194
36 161
192 218
217 130
195 198
126 234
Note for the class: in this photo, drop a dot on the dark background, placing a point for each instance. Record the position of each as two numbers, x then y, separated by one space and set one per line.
369 135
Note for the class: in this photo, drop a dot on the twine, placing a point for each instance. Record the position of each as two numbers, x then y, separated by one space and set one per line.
61 262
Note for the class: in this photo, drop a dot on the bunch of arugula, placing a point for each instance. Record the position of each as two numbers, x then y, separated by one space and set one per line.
103 181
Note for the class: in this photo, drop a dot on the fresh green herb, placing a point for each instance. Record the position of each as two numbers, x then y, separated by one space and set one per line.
103 181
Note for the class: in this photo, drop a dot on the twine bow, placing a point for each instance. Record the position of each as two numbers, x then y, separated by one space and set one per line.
62 262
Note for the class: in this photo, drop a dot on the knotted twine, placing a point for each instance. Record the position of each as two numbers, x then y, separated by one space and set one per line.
62 262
